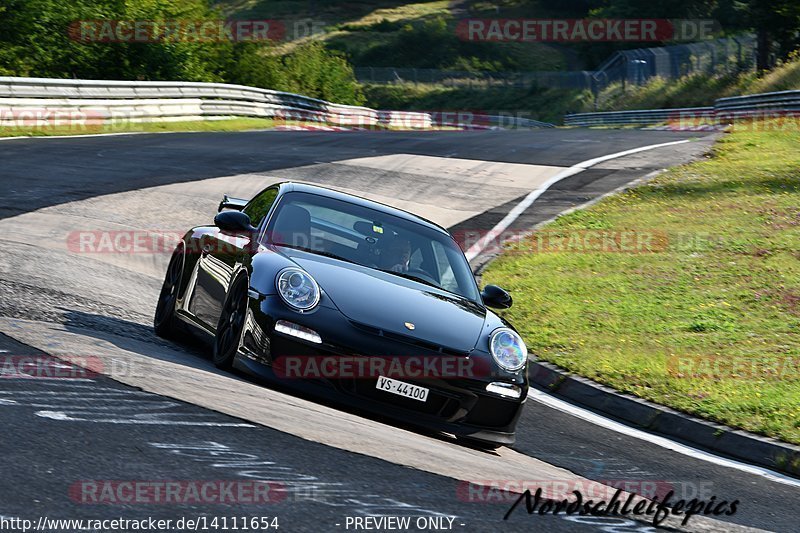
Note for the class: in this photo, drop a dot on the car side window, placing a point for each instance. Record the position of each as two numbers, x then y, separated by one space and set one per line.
258 207
448 279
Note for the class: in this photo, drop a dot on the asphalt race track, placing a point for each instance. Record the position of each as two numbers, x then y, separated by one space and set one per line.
166 413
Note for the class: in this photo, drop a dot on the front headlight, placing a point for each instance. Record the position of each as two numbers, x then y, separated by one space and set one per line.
508 349
297 288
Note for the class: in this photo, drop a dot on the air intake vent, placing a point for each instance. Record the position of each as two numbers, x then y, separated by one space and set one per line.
409 340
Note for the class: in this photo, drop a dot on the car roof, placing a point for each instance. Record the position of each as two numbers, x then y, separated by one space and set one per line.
293 186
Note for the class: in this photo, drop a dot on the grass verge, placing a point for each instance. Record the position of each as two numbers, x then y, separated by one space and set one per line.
552 104
536 103
706 317
235 124
700 89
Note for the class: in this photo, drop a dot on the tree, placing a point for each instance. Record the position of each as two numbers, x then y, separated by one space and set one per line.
776 23
35 40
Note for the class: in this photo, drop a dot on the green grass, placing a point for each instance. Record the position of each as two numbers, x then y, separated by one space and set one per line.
726 286
421 34
417 34
329 12
699 90
548 105
552 104
234 124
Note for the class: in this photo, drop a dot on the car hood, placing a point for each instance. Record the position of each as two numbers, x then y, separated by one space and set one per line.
386 302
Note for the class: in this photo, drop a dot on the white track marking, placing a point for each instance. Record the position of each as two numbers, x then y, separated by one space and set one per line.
585 414
303 485
85 135
82 135
143 420
526 202
594 418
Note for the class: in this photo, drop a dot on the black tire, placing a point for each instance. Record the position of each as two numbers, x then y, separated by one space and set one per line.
231 325
164 319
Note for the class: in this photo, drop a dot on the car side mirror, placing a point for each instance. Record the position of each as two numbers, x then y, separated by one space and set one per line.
494 296
234 222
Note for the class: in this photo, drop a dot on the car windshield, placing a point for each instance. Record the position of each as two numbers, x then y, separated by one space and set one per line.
373 239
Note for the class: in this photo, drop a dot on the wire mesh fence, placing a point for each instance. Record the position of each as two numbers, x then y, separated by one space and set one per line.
626 67
638 66
462 78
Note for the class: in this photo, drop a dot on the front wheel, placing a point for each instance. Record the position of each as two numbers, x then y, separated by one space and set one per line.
164 320
231 325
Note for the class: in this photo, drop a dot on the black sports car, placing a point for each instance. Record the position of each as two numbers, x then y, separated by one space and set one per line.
354 299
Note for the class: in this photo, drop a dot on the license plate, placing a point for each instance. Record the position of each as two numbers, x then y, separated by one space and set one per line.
402 388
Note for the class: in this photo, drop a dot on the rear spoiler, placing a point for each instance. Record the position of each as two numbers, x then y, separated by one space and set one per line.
228 202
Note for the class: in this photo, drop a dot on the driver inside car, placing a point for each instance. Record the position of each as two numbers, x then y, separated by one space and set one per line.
397 256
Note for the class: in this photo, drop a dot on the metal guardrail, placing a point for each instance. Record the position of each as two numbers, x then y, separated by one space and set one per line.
724 111
151 101
144 101
643 116
478 121
738 106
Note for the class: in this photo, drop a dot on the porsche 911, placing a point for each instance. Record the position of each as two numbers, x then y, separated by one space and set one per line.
357 301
